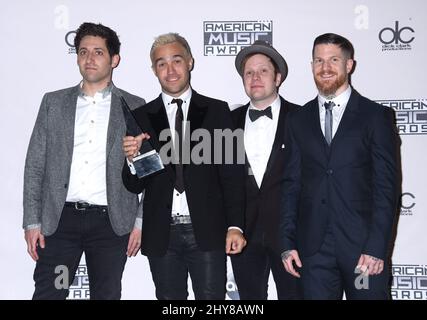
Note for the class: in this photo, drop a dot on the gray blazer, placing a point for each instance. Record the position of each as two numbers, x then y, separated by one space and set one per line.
48 162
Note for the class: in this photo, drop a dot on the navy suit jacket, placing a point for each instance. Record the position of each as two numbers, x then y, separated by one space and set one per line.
350 186
215 192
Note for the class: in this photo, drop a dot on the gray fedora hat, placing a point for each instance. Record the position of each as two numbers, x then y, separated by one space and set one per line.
262 46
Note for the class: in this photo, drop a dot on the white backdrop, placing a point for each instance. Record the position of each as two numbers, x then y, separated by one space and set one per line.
35 58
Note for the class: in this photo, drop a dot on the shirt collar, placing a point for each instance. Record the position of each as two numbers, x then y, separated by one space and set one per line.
104 92
339 100
275 106
185 97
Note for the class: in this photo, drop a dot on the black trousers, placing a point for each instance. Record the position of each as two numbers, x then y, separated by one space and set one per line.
207 269
251 270
331 271
79 231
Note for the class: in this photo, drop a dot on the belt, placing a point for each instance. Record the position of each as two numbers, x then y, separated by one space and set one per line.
81 205
180 220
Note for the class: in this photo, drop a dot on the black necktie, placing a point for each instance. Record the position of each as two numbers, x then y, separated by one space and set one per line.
179 174
328 121
254 114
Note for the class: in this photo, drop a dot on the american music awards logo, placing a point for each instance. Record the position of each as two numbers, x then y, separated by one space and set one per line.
409 282
227 38
79 290
411 115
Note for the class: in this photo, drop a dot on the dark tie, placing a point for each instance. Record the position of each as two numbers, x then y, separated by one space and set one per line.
328 120
254 114
179 177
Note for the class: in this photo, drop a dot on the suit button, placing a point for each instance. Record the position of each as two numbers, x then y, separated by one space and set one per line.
66 185
329 171
323 201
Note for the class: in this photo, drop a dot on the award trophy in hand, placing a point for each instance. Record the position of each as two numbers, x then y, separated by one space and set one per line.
148 162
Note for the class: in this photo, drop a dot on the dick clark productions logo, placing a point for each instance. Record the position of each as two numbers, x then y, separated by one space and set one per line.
397 38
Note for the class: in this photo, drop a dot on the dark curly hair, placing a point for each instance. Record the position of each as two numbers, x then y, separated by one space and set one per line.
98 30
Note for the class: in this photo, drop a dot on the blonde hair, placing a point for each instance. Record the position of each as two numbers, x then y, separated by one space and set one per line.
168 38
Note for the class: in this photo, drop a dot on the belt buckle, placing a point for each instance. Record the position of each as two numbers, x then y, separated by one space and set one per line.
81 205
180 220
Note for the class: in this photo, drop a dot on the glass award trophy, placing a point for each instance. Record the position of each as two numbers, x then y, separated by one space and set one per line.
148 161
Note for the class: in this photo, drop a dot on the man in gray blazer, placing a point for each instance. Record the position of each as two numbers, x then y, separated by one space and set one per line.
74 199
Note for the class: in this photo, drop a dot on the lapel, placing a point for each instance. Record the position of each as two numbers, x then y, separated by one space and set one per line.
348 120
158 120
156 113
69 118
240 124
241 116
314 131
278 139
196 114
116 121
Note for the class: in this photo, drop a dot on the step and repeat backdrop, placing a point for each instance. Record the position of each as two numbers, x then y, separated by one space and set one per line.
390 40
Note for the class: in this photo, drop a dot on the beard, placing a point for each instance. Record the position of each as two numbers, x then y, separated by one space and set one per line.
329 87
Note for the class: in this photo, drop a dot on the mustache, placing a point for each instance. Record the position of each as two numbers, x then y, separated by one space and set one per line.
321 73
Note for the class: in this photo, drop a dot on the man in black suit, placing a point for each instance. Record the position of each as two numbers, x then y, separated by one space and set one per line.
193 211
341 184
263 70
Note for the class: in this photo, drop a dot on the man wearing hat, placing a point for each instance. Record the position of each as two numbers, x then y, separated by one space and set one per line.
263 70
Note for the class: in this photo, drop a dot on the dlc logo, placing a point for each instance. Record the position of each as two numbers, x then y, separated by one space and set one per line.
407 204
69 40
397 38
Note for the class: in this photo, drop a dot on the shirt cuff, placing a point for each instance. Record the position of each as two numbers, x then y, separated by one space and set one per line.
285 254
235 228
131 167
138 223
33 226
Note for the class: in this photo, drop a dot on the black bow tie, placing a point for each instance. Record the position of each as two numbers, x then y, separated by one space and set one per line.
254 114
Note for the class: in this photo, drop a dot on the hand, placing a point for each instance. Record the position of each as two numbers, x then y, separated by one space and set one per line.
288 260
131 145
370 265
34 238
134 242
234 241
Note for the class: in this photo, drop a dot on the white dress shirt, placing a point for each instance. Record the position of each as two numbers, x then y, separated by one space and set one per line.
88 166
179 200
259 138
337 111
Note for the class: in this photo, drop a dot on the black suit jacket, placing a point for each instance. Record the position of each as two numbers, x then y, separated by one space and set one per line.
351 186
214 192
263 203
